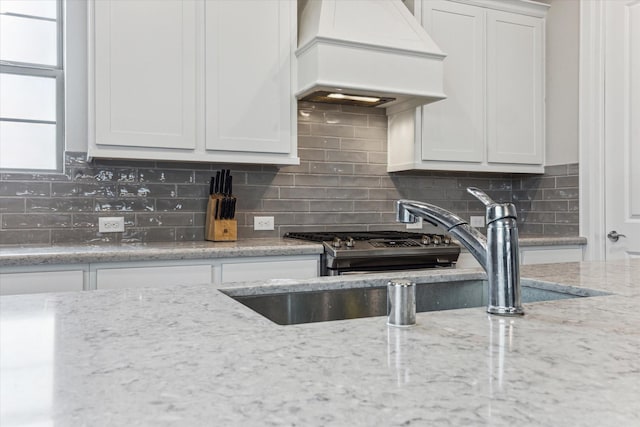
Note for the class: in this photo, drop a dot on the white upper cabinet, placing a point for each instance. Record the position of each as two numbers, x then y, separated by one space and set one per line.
145 74
193 80
493 117
248 75
515 84
455 129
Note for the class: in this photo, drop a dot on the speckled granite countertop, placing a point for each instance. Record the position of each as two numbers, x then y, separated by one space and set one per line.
191 356
43 255
525 241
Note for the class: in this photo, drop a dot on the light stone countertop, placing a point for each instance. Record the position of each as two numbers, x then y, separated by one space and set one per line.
80 254
192 356
13 256
526 241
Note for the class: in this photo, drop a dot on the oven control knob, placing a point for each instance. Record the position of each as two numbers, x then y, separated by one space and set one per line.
446 240
337 243
351 243
437 240
426 240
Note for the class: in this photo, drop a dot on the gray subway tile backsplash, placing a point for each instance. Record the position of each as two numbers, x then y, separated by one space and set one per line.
341 183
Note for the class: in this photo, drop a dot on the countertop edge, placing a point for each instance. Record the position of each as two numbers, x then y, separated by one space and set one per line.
552 241
12 256
79 254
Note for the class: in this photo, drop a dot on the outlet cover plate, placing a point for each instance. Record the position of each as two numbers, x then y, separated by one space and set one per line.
111 224
477 221
263 223
415 225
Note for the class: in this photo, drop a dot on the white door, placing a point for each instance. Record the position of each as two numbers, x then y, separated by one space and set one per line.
622 128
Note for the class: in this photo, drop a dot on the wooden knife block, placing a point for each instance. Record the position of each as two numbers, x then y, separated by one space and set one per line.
219 230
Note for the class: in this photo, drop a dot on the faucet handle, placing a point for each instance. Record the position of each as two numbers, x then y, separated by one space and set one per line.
481 195
494 210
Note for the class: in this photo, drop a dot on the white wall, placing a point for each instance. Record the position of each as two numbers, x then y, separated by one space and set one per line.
75 65
563 43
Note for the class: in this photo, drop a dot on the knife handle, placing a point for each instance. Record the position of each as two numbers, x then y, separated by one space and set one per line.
227 180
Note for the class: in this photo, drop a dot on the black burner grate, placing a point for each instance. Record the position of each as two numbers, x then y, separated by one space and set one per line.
327 236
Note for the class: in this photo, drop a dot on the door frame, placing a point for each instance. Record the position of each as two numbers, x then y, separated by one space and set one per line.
591 121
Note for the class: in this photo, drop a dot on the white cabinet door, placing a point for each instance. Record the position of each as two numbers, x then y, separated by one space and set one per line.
249 100
145 74
154 276
41 281
515 91
454 127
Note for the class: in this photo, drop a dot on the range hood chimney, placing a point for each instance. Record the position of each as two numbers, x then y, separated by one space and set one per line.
366 52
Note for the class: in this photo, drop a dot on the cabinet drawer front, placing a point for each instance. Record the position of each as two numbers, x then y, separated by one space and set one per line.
543 256
42 281
245 272
156 277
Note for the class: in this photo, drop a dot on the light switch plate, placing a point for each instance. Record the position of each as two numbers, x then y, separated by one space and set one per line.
263 223
477 221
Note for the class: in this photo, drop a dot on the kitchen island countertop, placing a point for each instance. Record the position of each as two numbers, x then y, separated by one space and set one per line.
190 355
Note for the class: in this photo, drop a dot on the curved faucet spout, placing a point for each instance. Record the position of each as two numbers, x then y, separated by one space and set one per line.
472 239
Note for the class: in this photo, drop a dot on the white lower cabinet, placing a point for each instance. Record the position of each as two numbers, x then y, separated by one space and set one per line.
544 255
34 280
121 275
151 275
303 268
155 274
158 274
533 255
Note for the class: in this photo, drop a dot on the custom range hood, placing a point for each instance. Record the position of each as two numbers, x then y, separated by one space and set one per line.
366 52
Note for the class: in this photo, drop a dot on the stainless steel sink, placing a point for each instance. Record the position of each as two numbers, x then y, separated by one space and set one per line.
289 308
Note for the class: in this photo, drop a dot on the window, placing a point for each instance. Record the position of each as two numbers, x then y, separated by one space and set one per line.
31 85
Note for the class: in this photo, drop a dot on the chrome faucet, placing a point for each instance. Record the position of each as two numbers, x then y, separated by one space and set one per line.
497 253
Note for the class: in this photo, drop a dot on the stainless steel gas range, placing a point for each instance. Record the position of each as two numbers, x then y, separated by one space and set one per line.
374 251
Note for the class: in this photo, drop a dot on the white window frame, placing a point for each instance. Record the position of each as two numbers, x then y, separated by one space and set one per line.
40 70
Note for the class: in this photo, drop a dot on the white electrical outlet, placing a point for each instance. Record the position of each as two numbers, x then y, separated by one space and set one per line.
415 225
477 221
263 223
111 224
